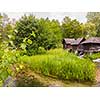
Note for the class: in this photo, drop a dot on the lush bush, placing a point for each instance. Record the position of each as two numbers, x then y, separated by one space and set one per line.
41 50
10 63
37 51
32 33
61 64
31 52
8 59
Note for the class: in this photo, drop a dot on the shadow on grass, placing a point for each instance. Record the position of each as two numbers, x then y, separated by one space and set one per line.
26 79
29 83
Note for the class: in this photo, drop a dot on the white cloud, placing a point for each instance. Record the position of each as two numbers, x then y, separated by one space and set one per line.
81 16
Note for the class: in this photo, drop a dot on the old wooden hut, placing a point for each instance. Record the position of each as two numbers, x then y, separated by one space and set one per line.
76 44
72 44
90 45
67 43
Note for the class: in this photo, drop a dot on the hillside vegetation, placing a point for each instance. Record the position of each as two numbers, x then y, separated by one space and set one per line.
32 44
62 64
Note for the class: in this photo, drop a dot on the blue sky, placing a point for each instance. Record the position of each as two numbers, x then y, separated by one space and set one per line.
80 16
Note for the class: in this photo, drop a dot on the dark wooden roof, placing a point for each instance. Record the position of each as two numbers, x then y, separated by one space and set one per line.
68 40
78 41
92 40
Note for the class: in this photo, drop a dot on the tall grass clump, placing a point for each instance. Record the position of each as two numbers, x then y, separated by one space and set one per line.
92 56
63 65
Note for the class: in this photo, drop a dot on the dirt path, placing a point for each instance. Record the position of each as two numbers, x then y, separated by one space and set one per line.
49 81
98 77
39 80
52 82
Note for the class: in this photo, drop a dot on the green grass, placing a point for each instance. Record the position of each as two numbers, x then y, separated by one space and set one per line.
61 64
92 56
56 63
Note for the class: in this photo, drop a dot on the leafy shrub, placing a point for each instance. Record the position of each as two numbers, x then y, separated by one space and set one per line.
41 50
32 33
7 60
37 51
61 64
1 53
31 52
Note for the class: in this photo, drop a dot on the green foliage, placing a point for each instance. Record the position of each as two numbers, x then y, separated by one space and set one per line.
23 46
6 32
92 56
1 54
32 33
51 33
62 64
89 29
71 28
26 29
41 50
29 41
56 63
56 51
38 51
7 59
94 17
33 36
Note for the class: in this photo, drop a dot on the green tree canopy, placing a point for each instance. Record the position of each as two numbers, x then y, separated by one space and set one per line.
94 17
32 33
89 29
71 28
6 30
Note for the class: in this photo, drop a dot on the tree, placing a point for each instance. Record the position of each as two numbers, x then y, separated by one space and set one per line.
32 33
57 32
89 29
6 31
50 33
94 17
26 32
1 27
71 28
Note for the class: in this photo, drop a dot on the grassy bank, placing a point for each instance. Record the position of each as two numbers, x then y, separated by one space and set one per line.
61 64
56 63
